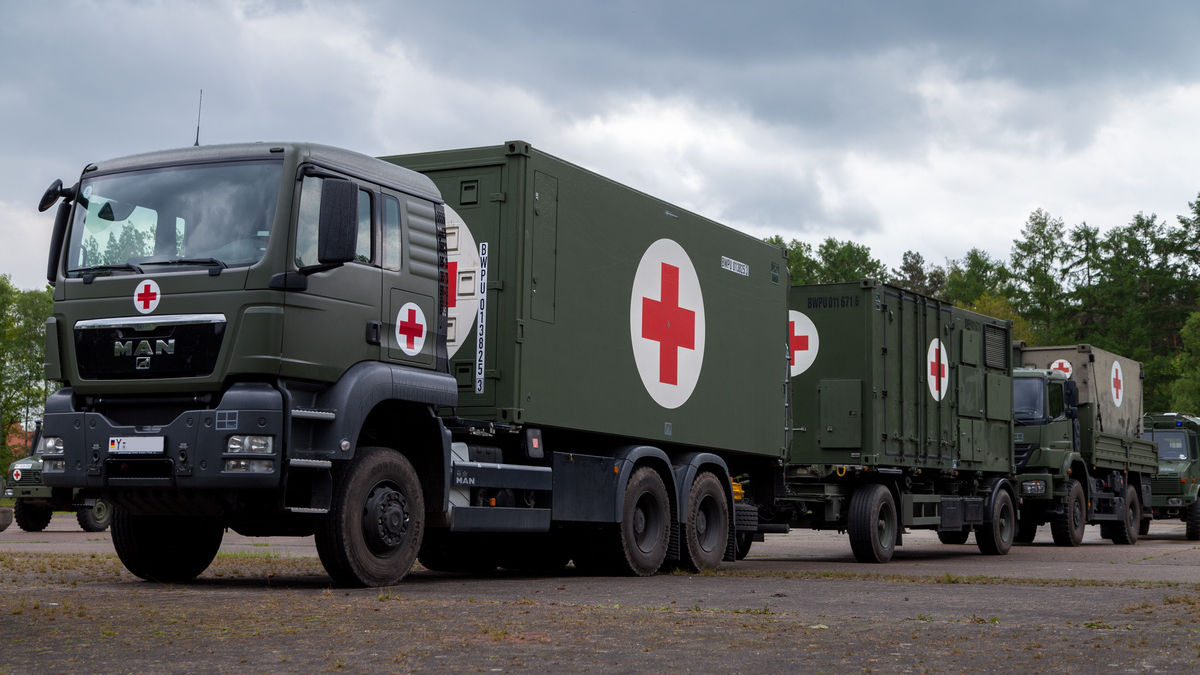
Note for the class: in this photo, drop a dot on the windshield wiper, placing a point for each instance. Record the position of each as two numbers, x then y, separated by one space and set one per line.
215 264
90 273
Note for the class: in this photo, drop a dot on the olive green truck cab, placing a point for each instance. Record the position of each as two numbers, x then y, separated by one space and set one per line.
491 357
1177 436
35 502
1077 414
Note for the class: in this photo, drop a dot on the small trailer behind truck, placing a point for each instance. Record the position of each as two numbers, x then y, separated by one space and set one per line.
1078 413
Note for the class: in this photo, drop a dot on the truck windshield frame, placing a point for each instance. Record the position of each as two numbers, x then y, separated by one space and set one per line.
1172 444
217 214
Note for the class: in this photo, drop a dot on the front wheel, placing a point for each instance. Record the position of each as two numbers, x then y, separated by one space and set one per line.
169 549
873 524
1067 527
996 536
1126 531
707 527
1192 529
31 517
94 518
373 530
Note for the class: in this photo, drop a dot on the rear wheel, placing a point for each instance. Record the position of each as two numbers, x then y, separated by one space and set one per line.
373 530
1067 527
707 528
31 517
1192 529
165 548
645 526
1126 531
953 537
94 518
996 537
1144 527
744 541
873 524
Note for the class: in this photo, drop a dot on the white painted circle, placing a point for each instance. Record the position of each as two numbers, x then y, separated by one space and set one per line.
1116 382
803 341
411 329
1064 366
666 323
146 296
462 297
937 369
17 475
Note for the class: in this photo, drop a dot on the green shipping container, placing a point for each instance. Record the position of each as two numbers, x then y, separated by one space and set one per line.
885 378
581 305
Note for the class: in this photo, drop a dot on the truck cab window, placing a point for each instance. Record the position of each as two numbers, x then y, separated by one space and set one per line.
391 233
1055 392
363 250
308 221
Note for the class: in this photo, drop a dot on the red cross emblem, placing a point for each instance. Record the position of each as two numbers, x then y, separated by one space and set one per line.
804 342
668 324
1063 366
798 343
17 475
452 284
410 329
939 368
1117 383
146 296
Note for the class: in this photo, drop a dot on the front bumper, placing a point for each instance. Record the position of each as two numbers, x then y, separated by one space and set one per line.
194 445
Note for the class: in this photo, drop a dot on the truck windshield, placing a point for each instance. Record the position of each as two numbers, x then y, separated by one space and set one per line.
1028 399
1172 445
205 215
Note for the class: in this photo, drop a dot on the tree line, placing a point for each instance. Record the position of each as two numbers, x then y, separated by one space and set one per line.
1132 290
23 387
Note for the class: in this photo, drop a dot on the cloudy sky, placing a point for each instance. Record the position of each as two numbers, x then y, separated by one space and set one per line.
932 126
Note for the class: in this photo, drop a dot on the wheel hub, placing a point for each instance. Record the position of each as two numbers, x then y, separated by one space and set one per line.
385 518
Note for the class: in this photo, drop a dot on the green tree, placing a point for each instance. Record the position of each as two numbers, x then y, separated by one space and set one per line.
999 307
1185 389
847 261
802 266
918 277
1035 282
976 275
23 388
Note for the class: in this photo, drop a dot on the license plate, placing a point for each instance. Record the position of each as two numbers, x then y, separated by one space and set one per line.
135 445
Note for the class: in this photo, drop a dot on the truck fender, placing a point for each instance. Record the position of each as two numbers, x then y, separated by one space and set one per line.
996 486
630 456
687 467
369 383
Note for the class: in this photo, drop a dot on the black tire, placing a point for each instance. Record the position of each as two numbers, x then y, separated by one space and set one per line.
953 537
170 549
1192 529
95 518
639 544
31 517
372 533
1026 530
996 537
873 524
1126 531
1144 528
444 551
706 530
1068 526
744 541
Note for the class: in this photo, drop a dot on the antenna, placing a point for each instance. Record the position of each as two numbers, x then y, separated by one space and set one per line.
198 109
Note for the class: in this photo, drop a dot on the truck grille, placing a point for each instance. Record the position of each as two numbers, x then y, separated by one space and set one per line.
1021 453
1166 486
28 477
148 347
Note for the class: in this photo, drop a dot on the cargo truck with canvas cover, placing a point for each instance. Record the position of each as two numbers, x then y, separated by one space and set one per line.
296 339
1177 436
1071 471
901 419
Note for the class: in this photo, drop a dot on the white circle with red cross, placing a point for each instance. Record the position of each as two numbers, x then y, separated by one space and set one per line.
937 369
1117 380
146 296
462 279
17 475
1063 366
410 329
666 323
803 341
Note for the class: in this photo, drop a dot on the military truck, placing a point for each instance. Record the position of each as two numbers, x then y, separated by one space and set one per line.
1177 436
35 503
901 419
292 339
1077 411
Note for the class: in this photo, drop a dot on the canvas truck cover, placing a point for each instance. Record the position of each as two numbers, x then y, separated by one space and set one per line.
1112 383
884 377
580 304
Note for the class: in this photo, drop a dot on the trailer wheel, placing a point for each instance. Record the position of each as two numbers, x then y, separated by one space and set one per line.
1067 527
645 526
744 541
996 537
94 518
170 549
706 530
953 537
31 517
1192 529
373 531
1126 531
1026 530
1144 527
873 524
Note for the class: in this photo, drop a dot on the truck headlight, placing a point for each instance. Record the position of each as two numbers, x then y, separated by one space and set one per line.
52 445
1033 487
1174 501
257 445
249 465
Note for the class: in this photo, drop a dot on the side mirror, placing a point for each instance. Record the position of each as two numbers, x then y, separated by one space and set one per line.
1071 392
51 195
337 235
